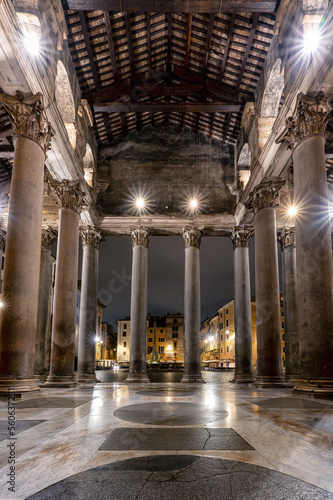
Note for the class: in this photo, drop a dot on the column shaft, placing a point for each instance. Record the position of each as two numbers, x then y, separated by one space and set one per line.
138 347
43 309
88 311
65 295
243 318
314 266
267 298
192 308
21 270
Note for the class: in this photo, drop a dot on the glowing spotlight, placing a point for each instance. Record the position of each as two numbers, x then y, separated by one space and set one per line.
140 202
193 203
97 339
32 45
211 338
311 39
1 304
292 211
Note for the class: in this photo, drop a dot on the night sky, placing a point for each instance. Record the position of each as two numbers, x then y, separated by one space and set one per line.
166 275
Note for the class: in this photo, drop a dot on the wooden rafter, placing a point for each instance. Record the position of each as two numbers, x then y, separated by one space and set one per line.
188 40
111 44
168 107
6 151
148 39
227 46
89 49
184 6
248 49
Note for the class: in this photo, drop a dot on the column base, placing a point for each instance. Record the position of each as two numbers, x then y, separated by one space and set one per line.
87 379
243 380
275 381
60 381
320 387
192 379
41 378
137 379
291 379
11 384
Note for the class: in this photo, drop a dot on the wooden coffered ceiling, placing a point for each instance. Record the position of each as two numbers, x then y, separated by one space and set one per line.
195 66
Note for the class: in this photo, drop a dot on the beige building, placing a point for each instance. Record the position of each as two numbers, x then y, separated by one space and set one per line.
123 340
219 350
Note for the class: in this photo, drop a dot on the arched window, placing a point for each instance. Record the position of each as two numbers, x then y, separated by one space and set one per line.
88 165
65 101
244 165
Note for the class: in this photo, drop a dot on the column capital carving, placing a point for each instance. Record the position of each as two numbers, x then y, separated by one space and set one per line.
287 237
241 235
310 117
27 117
192 237
48 237
91 236
265 194
70 194
2 240
140 236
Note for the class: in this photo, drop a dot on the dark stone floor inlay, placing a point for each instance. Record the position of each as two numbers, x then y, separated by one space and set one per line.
173 477
57 402
177 414
20 426
152 438
167 391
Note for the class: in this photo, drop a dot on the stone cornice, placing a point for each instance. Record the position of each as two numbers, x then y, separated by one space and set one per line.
265 194
241 236
48 237
27 117
310 117
287 237
192 237
69 194
2 240
91 236
140 236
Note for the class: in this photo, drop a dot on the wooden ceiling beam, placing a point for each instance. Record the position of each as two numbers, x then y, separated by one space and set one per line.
148 39
248 49
6 151
188 40
181 6
111 44
89 49
227 46
168 107
129 43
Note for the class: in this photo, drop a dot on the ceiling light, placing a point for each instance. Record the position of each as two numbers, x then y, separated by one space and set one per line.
311 39
140 202
32 45
193 203
292 211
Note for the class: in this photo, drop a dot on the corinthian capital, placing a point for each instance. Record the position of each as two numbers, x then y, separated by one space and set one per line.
48 237
241 236
287 237
192 237
26 115
310 117
265 194
69 194
90 236
140 236
2 240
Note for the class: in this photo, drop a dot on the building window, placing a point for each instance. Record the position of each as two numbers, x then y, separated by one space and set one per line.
283 337
161 349
175 328
175 346
227 311
221 325
150 349
161 330
161 339
227 348
124 344
282 314
150 339
175 321
221 350
227 336
175 335
125 326
221 314
151 331
283 349
227 323
282 324
124 334
222 337
124 353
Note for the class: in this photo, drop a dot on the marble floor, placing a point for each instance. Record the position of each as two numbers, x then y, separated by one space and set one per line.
168 441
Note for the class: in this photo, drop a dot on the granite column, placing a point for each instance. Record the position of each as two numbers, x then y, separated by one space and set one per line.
91 239
48 237
263 202
192 312
305 134
32 134
288 248
138 347
65 294
243 319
